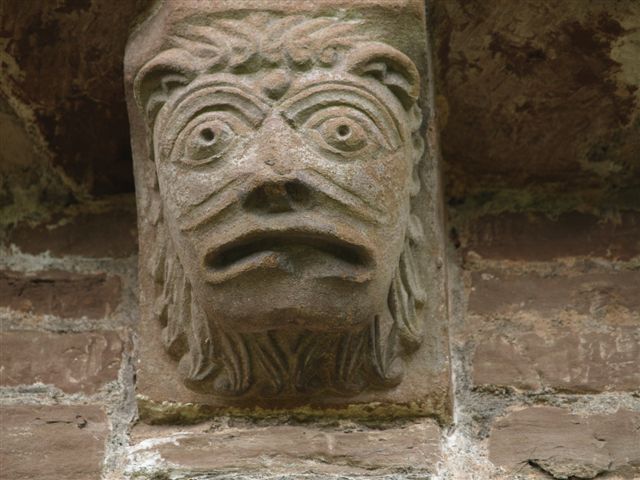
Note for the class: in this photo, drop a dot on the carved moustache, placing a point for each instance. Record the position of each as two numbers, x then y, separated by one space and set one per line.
236 193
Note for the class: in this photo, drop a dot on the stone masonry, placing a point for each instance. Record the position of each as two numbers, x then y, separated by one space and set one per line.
538 118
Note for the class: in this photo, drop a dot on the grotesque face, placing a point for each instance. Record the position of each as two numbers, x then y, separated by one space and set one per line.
285 169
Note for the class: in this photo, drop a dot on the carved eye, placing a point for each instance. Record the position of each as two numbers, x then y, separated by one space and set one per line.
343 134
207 141
344 131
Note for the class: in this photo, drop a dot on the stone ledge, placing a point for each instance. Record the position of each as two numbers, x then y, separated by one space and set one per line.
287 450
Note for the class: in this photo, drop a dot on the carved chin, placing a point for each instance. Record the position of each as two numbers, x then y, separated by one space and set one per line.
291 360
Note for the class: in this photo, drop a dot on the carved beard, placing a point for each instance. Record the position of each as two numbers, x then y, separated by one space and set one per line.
288 363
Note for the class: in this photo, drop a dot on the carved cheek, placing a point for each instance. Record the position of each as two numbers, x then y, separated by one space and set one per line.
382 179
387 178
188 187
357 146
175 191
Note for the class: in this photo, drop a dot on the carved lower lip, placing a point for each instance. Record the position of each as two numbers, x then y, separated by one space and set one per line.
259 247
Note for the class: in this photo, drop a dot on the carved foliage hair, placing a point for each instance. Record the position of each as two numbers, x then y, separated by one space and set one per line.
224 362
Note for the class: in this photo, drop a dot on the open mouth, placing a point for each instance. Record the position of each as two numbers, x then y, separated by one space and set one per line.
279 249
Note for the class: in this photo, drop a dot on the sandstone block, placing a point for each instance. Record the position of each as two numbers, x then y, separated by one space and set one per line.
63 294
53 442
535 237
575 334
292 450
574 362
517 100
108 233
73 362
281 268
498 293
565 445
72 89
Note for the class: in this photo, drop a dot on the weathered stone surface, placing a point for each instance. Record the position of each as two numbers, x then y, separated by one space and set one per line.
290 225
575 362
64 294
576 334
566 445
72 362
70 93
538 96
535 237
26 177
507 71
500 293
105 231
291 450
52 442
538 101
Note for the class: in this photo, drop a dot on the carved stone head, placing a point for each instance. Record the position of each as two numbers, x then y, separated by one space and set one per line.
283 157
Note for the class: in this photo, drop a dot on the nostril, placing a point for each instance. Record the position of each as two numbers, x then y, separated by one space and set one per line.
256 200
298 193
277 197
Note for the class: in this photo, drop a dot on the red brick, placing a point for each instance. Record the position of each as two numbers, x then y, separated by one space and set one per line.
535 237
574 334
565 445
63 294
499 362
496 292
52 442
73 362
578 362
110 233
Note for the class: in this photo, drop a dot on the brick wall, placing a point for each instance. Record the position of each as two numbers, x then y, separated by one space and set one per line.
546 338
545 346
538 109
68 312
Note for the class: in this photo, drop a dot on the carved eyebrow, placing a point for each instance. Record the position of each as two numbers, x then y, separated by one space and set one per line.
319 96
218 96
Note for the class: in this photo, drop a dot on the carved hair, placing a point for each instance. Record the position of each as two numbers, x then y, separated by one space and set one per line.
225 362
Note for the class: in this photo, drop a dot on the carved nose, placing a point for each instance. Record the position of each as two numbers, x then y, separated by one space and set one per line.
278 197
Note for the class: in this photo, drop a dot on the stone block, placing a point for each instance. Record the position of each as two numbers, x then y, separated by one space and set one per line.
288 262
519 82
501 293
53 442
63 294
536 237
565 445
573 334
108 232
72 362
289 450
71 93
579 362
